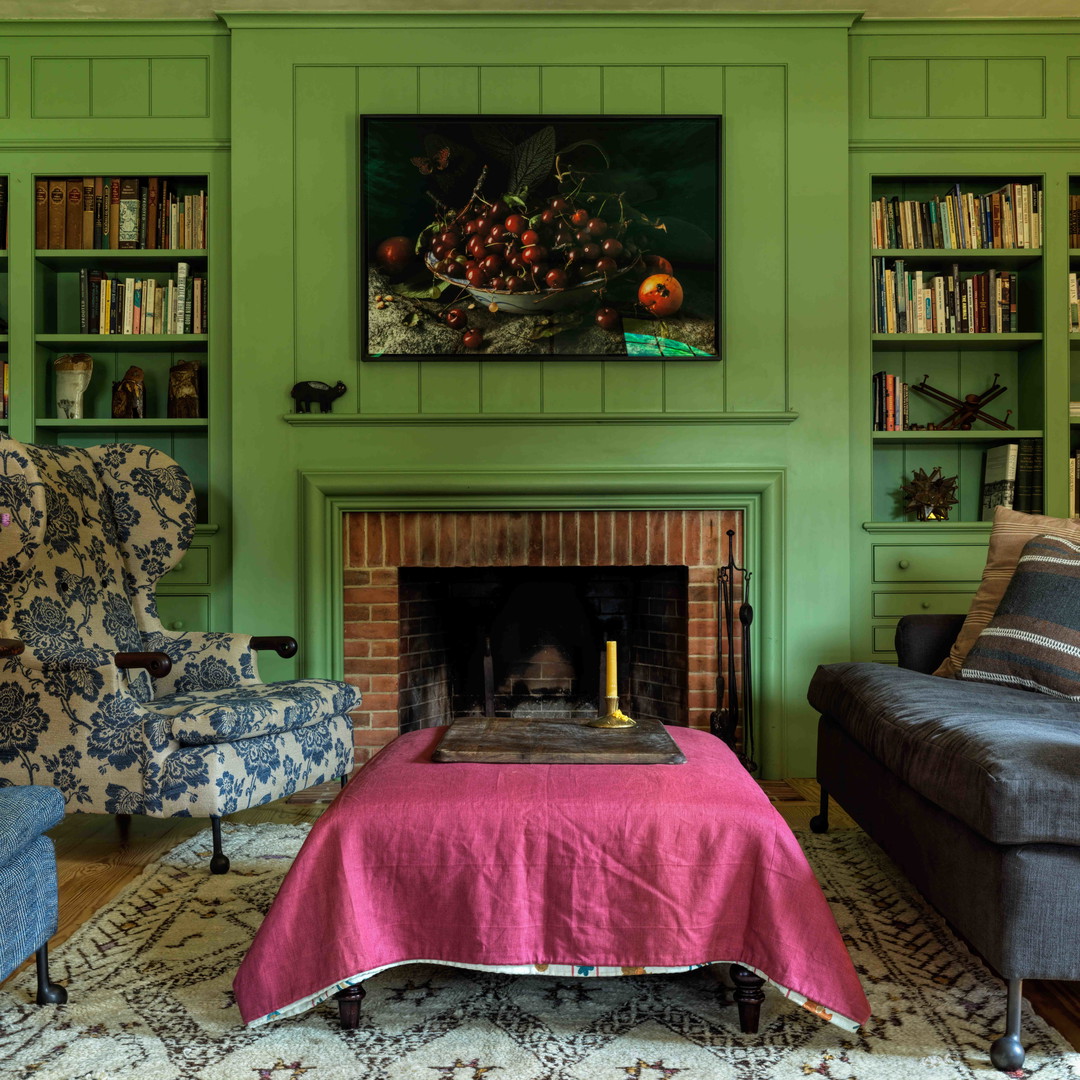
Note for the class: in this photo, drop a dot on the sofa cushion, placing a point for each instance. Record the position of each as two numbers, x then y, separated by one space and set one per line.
1006 762
26 811
1011 531
244 712
1033 640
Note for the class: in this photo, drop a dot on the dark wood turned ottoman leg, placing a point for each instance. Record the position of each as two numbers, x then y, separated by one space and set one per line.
348 1001
748 996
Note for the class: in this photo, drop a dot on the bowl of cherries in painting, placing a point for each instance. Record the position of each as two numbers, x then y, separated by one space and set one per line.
523 228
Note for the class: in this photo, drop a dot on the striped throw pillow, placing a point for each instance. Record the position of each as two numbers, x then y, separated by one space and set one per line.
1033 640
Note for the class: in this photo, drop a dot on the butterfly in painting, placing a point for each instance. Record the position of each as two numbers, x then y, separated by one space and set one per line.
439 160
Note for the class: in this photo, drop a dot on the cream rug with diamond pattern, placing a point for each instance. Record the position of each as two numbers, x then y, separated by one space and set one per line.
149 979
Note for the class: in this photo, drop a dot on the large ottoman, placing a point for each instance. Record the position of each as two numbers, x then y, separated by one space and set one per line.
559 869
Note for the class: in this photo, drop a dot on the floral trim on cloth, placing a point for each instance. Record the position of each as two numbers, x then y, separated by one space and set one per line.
563 971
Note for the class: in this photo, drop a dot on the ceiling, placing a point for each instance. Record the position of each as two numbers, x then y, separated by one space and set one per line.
135 9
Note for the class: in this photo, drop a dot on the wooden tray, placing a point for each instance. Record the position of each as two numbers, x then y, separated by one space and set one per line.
556 742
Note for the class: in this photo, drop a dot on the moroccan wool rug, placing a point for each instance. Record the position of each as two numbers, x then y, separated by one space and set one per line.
149 979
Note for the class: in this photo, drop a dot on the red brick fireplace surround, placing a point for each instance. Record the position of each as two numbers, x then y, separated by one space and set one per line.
390 638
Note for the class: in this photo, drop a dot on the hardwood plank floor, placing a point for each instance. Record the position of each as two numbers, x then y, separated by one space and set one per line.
93 865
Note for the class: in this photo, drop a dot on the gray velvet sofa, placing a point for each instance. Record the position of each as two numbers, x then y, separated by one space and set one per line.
974 790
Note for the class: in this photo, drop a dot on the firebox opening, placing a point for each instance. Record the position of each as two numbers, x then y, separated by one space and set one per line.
544 630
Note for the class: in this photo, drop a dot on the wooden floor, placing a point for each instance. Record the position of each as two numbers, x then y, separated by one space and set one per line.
94 865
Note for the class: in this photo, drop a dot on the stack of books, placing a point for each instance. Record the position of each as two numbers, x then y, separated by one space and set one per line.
918 302
142 306
890 402
1074 304
1010 217
117 213
1013 478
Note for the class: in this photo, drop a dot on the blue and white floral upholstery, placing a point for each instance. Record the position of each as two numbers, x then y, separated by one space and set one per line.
85 535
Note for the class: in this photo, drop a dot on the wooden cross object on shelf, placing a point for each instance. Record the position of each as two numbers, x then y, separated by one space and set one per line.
966 410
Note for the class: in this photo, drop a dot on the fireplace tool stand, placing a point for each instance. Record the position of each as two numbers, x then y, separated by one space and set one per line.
724 722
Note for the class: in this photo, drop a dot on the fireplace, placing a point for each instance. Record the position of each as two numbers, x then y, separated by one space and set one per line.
426 592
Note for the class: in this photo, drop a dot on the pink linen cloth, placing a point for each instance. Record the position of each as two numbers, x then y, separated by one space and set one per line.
620 865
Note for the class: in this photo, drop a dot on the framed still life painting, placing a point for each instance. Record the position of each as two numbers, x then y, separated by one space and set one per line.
519 236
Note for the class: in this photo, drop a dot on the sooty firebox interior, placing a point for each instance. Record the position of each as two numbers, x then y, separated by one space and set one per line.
529 641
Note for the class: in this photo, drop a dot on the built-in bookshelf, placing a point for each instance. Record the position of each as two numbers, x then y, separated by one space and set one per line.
121 275
5 386
957 288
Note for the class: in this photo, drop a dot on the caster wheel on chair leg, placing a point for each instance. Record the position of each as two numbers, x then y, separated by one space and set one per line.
819 824
219 862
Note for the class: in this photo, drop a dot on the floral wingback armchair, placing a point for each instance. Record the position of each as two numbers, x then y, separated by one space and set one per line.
120 714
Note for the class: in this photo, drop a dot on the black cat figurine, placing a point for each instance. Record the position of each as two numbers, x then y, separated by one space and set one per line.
306 394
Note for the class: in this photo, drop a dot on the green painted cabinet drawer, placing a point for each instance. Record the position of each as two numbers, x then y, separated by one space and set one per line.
885 638
192 569
184 612
894 604
939 562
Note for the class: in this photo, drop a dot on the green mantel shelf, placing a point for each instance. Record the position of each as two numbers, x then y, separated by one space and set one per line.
373 419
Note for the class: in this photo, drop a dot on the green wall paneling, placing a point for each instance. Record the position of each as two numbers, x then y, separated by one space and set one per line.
781 87
162 80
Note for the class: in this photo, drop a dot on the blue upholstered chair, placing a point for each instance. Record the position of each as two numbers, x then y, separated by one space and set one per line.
97 698
28 900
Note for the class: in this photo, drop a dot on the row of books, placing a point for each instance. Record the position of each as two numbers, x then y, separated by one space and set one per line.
1074 221
891 397
1010 217
142 305
1013 477
918 302
117 213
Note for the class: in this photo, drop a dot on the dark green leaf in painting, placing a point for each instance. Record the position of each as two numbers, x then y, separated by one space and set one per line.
555 324
421 287
586 142
531 160
498 140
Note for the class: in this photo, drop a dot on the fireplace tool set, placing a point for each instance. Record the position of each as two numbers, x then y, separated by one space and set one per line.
725 721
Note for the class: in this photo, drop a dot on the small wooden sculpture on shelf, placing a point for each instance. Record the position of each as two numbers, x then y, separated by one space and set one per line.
930 495
129 396
184 391
964 411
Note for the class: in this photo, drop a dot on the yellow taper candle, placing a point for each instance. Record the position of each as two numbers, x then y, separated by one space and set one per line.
612 671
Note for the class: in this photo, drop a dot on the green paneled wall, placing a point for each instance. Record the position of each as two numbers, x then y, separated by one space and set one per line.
781 86
801 98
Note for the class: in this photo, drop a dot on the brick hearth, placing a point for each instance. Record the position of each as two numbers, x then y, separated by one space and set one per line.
379 544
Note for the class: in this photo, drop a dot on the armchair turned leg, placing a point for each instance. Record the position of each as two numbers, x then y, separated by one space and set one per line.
349 1005
1007 1052
219 863
820 822
748 996
123 828
48 992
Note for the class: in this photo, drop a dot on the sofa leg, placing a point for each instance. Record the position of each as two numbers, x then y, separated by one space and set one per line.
48 992
1007 1053
820 823
219 863
123 828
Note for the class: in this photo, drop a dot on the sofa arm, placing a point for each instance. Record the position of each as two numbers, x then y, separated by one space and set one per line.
923 641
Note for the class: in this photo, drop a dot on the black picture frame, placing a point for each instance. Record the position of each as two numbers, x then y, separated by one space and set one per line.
403 156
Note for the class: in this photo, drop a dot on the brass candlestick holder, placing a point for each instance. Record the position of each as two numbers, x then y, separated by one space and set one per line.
615 717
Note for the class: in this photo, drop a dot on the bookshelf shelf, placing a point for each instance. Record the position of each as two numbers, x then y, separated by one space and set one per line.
899 342
988 435
945 256
149 423
125 342
108 259
3 339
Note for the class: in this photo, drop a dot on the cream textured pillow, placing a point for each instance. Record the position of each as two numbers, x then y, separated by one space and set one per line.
1010 532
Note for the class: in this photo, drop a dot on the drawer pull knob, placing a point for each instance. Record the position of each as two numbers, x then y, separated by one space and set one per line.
903 564
179 567
178 624
926 603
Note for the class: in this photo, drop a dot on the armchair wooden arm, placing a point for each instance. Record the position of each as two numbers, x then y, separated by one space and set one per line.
11 647
285 647
157 663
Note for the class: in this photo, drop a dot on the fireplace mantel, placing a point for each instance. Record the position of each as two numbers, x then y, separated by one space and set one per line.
326 495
